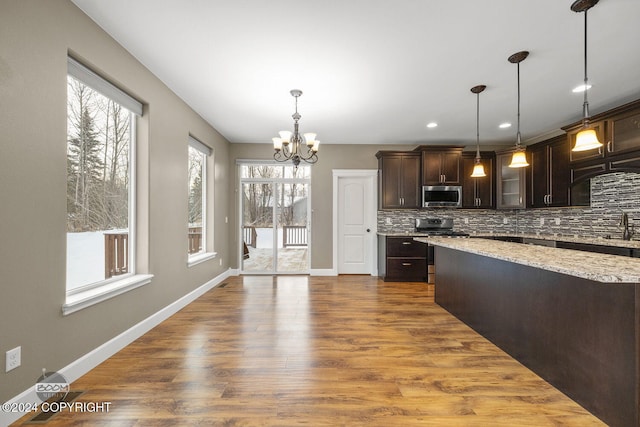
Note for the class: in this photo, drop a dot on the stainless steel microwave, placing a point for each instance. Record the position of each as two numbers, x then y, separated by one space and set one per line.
442 196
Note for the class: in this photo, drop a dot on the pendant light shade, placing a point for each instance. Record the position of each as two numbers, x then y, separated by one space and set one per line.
478 171
519 158
478 167
586 139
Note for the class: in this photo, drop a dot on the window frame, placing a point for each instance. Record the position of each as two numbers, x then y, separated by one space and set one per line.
92 293
207 252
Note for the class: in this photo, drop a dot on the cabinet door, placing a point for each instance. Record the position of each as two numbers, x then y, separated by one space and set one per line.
411 198
510 184
431 171
390 191
559 173
477 192
624 133
484 186
450 167
469 198
538 178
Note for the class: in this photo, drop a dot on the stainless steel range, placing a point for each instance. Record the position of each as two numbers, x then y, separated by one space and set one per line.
436 227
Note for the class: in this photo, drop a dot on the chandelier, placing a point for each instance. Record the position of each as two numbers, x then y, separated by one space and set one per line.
292 146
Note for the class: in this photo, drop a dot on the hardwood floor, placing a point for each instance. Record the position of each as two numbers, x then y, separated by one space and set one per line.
318 351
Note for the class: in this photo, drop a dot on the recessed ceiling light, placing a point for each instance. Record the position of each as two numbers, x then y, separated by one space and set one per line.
504 125
580 88
432 125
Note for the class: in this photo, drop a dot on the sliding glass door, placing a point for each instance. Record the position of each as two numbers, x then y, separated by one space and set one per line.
275 219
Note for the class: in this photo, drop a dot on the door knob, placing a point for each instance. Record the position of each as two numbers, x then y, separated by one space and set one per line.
368 230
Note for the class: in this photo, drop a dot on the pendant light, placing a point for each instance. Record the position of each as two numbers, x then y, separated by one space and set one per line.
478 167
586 139
519 158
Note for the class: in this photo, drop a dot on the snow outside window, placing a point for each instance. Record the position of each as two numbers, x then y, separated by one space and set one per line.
100 181
197 187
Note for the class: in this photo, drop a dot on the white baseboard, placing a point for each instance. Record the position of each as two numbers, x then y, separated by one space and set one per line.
84 364
323 272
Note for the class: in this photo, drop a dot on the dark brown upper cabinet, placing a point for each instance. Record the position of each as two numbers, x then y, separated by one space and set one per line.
399 179
478 193
619 130
441 165
548 174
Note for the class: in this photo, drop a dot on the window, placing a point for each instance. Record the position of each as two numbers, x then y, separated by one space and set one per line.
197 214
100 187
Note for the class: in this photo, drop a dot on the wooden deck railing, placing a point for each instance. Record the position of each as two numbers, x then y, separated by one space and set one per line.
250 235
294 235
116 253
195 239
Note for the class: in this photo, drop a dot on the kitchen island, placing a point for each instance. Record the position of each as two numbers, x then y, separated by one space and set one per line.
570 316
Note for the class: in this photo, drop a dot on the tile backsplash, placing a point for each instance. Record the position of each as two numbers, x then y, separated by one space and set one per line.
611 195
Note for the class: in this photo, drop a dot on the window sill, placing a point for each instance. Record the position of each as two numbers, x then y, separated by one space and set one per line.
87 298
201 257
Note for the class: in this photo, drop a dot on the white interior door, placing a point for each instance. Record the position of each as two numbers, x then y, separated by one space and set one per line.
356 224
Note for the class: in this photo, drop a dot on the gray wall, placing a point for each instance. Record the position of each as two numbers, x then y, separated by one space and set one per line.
35 37
331 156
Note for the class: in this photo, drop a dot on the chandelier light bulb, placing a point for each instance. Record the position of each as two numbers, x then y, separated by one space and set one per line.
277 143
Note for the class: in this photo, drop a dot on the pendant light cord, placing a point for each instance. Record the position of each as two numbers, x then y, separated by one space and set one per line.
478 126
585 106
518 133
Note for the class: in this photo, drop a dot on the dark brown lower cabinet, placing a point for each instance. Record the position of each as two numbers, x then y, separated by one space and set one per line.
402 259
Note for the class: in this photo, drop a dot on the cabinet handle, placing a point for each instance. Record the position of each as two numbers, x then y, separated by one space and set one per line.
599 150
479 201
406 243
549 199
609 150
406 264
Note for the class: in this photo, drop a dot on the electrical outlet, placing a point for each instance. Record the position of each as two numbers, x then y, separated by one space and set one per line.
220 261
557 221
226 220
505 220
541 222
388 221
466 220
12 360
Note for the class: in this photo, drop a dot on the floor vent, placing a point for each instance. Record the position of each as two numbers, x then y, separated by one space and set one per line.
44 417
223 285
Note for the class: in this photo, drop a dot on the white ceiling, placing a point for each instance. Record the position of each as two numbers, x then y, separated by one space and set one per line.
377 71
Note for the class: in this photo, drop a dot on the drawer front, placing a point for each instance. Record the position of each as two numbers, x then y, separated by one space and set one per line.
407 269
405 247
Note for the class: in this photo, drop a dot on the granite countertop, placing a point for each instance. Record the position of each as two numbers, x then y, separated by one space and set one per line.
574 239
401 234
592 266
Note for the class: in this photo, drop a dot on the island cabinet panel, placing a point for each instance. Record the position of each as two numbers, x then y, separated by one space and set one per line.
579 335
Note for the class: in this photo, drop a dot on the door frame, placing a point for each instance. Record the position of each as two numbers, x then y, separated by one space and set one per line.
275 181
372 175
